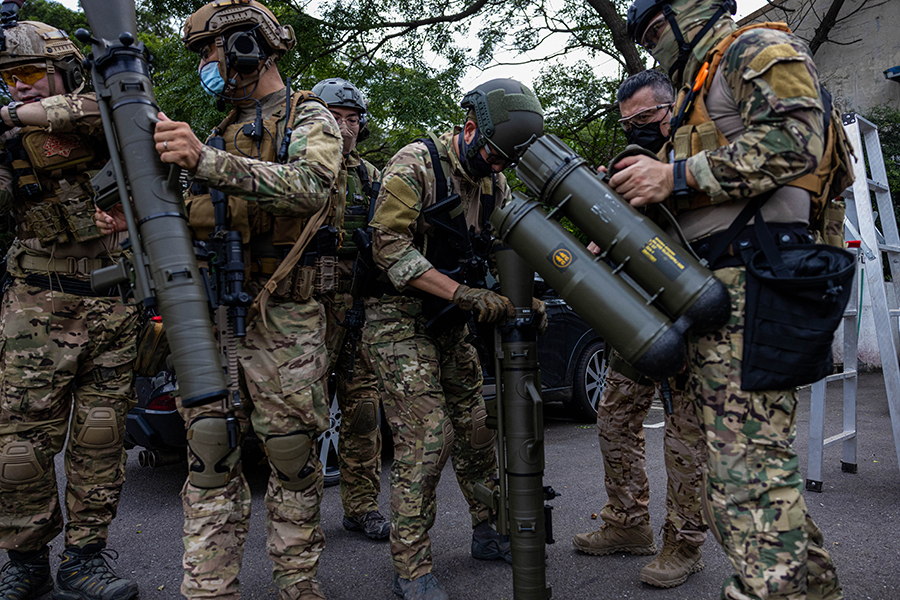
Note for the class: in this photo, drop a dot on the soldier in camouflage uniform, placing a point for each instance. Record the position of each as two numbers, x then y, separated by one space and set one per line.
645 101
359 443
67 351
282 363
431 373
757 126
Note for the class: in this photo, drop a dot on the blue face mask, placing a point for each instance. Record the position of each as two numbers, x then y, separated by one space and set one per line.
211 80
476 166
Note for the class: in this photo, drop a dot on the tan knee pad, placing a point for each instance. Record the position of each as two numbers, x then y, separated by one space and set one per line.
19 464
365 418
208 440
449 436
290 456
482 436
100 429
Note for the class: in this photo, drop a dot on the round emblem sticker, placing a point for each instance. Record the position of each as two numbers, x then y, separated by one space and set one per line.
562 258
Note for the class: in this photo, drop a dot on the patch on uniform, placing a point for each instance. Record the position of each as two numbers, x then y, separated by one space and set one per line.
785 70
397 216
61 145
561 258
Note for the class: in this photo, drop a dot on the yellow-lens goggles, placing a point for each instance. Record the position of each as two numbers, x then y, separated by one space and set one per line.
27 74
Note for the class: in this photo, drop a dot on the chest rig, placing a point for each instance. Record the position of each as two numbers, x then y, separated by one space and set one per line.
351 208
53 197
268 238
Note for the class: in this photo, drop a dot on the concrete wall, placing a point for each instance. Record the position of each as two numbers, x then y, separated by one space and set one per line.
853 73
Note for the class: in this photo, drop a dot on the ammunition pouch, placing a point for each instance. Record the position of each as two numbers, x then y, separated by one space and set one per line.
315 273
46 221
207 438
293 460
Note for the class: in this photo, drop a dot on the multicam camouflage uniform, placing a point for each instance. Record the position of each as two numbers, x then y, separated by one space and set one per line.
620 424
67 352
764 98
432 384
359 443
282 365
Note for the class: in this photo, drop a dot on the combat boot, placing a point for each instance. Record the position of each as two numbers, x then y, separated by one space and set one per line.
425 587
487 544
677 561
373 524
87 576
26 575
303 590
610 539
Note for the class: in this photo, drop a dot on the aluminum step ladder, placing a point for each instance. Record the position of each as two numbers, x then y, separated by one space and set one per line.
861 217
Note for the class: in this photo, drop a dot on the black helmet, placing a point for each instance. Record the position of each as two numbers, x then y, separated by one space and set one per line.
340 92
507 113
639 15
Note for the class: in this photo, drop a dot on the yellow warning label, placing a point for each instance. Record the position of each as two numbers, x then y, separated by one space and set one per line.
664 257
562 258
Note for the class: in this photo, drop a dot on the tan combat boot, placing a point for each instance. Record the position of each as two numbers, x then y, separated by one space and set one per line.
303 590
610 539
677 561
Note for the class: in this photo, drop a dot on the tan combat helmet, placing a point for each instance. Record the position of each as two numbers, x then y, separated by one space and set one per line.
245 32
36 42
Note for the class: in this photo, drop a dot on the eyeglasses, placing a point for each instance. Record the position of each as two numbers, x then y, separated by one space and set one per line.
652 33
27 74
642 117
352 120
498 158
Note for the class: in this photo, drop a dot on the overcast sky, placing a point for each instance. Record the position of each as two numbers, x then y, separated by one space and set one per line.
526 73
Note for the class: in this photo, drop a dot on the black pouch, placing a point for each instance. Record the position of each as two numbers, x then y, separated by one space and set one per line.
795 300
796 296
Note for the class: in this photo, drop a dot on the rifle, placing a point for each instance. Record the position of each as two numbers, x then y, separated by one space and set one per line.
164 267
355 319
228 301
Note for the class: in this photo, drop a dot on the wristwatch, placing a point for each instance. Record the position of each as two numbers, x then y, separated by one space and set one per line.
681 189
14 115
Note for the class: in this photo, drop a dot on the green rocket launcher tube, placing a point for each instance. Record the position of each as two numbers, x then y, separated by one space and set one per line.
627 320
166 271
522 433
675 281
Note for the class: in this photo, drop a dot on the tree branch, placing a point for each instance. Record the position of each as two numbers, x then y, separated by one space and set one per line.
607 10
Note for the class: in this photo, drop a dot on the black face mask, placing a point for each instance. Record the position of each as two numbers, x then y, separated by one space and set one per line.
646 136
477 167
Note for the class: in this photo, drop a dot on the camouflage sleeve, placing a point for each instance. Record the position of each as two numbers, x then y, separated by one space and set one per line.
298 188
503 194
6 191
69 113
774 81
406 181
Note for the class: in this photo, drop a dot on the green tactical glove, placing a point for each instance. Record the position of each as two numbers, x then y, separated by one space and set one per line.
540 315
489 306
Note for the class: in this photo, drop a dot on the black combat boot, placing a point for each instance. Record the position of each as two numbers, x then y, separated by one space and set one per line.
26 575
373 524
425 587
487 544
85 575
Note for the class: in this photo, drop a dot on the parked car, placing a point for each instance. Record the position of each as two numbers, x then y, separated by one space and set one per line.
573 368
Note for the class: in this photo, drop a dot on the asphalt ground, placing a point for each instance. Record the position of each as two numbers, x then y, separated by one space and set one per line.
859 513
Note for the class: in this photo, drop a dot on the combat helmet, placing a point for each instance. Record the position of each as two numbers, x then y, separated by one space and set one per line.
642 12
340 92
32 41
246 33
508 115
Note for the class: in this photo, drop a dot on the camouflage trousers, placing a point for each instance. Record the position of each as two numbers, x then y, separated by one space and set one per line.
359 443
66 360
620 424
282 372
434 406
754 501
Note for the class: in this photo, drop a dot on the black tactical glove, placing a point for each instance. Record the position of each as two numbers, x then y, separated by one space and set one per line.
489 306
540 315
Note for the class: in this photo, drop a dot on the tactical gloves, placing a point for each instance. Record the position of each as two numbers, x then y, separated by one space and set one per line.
489 306
539 310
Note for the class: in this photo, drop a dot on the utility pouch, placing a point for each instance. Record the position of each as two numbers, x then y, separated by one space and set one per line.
46 221
795 300
79 216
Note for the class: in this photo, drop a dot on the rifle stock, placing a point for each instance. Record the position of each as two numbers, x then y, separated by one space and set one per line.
165 267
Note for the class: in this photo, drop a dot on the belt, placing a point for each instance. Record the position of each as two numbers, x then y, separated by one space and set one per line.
63 266
745 243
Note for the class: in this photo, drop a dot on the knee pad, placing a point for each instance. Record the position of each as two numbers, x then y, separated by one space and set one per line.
292 459
365 418
19 464
100 429
449 436
208 440
482 436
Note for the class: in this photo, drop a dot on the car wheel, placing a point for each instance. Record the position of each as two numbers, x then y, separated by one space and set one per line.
328 444
588 382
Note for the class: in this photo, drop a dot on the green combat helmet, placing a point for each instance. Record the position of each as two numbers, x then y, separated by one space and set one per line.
35 42
340 92
509 117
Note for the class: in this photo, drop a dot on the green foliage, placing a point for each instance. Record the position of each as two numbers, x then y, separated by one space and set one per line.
887 119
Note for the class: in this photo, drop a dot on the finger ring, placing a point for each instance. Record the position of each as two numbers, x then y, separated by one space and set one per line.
166 145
